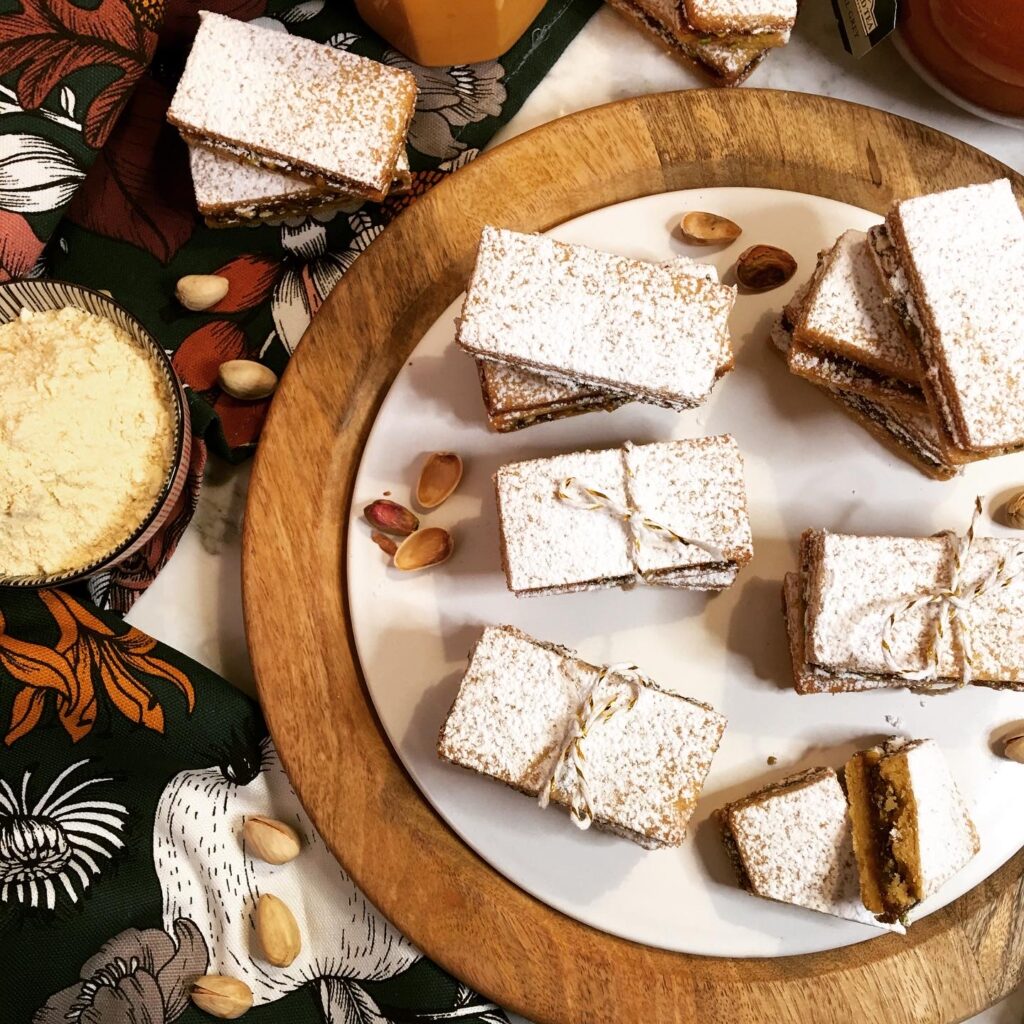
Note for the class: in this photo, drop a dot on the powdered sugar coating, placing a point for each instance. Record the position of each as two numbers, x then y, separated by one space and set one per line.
960 249
795 844
328 112
645 767
740 15
946 836
846 311
854 582
509 389
727 59
600 319
695 488
549 543
223 185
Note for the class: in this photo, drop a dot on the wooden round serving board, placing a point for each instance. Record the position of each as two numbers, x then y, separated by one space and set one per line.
455 907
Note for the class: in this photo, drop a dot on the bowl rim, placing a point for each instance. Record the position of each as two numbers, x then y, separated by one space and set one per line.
181 433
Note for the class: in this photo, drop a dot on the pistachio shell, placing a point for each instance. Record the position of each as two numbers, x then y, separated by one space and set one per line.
1013 748
1015 511
221 996
423 549
271 840
700 228
246 379
201 291
439 477
277 931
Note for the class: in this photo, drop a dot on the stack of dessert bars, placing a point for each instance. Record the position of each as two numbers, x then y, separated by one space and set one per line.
279 126
914 331
559 329
723 39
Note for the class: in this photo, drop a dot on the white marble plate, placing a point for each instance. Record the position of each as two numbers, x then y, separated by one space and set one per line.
806 465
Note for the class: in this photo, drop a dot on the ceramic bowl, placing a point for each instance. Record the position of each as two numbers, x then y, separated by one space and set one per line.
44 295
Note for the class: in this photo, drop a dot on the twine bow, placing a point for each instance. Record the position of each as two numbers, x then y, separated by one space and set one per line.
589 499
955 606
593 711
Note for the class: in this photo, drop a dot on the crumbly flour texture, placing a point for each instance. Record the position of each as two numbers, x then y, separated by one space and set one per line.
86 439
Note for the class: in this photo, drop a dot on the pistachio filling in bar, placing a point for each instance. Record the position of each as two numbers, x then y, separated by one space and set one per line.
637 771
911 829
596 319
670 514
867 612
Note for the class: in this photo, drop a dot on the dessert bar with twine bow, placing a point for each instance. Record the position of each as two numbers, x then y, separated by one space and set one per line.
595 709
955 605
642 527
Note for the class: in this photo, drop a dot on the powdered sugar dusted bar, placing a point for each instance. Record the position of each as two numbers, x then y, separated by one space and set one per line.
645 766
693 488
726 59
846 313
948 260
792 842
717 16
850 585
517 398
597 319
293 105
229 192
912 831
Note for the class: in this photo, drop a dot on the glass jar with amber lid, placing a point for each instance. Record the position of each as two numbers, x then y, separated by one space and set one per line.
440 32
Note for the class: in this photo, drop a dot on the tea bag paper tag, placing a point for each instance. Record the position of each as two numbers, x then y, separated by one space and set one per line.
863 24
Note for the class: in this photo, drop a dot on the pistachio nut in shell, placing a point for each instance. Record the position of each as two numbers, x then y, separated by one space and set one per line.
201 291
246 380
270 840
277 931
390 517
423 549
439 477
221 996
762 267
700 228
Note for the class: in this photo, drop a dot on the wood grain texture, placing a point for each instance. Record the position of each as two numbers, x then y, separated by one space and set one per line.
446 899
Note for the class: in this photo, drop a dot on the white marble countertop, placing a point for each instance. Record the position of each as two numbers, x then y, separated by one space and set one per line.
195 604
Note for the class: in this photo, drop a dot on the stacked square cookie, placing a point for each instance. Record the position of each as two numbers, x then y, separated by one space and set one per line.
605 742
724 39
869 612
896 835
278 125
559 329
910 330
671 514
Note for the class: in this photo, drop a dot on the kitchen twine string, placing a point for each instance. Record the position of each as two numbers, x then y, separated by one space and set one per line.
591 713
591 499
955 604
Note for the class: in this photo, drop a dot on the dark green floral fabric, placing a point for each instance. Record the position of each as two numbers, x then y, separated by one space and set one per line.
127 771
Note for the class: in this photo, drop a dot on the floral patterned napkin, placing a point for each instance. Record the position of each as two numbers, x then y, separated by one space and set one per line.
127 774
90 168
127 770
